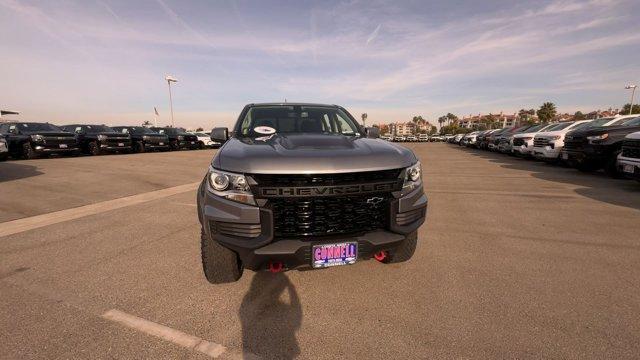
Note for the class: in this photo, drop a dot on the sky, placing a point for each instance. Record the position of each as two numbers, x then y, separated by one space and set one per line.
104 61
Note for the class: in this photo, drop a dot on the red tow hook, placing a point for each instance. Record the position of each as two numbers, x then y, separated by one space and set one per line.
380 256
276 267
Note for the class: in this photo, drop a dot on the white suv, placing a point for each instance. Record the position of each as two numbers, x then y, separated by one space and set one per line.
423 137
548 144
522 143
629 158
205 141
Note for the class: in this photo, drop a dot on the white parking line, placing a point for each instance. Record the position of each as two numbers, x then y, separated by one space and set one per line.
175 336
38 221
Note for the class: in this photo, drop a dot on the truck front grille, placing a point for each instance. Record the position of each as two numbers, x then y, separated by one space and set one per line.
326 179
329 215
631 149
57 140
573 143
518 142
540 142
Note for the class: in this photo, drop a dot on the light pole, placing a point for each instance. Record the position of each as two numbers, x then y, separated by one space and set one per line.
171 79
633 92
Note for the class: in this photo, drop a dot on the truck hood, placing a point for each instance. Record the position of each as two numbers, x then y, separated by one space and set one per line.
634 136
602 130
52 133
310 154
551 133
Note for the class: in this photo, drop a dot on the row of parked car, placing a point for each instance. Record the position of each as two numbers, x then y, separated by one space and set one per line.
407 138
28 140
611 143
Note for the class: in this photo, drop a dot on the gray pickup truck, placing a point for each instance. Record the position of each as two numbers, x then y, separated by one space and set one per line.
305 186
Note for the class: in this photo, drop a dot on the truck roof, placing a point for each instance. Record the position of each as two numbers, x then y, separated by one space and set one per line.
292 104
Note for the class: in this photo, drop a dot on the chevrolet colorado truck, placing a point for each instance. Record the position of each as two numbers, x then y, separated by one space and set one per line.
305 186
629 158
28 140
99 139
144 139
179 138
594 148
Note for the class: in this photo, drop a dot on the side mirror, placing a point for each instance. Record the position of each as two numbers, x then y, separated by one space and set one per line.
220 134
372 132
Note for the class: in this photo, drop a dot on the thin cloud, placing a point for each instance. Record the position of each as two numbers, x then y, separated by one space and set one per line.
374 34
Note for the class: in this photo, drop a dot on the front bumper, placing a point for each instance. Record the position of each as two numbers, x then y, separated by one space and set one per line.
53 149
523 149
295 252
547 152
625 165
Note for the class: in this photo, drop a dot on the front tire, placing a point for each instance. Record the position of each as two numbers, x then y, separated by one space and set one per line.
220 265
138 147
611 167
93 148
405 251
27 151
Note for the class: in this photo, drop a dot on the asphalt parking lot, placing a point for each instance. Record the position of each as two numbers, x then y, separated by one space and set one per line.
517 259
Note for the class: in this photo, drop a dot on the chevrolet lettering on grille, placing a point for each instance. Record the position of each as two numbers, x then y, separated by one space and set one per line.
304 191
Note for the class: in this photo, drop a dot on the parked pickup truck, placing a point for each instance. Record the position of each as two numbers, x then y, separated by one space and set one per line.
98 139
548 144
593 148
522 143
29 140
144 139
4 149
629 158
179 138
305 186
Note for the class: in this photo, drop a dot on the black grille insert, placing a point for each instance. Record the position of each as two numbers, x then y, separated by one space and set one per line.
631 149
329 215
326 179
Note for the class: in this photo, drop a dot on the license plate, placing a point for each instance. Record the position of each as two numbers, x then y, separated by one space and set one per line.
628 169
327 255
63 146
160 144
565 156
120 144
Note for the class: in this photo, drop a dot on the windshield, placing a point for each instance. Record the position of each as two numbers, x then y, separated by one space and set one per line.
536 128
36 127
134 130
296 119
632 122
92 129
599 122
561 126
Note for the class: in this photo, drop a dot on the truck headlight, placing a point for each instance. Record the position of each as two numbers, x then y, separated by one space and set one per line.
180 137
37 138
557 137
230 186
597 138
102 137
413 177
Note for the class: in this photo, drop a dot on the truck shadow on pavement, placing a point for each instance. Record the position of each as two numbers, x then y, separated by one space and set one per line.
269 319
596 185
12 171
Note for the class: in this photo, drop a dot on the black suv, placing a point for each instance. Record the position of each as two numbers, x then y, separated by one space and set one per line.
28 140
179 138
590 148
144 139
97 139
